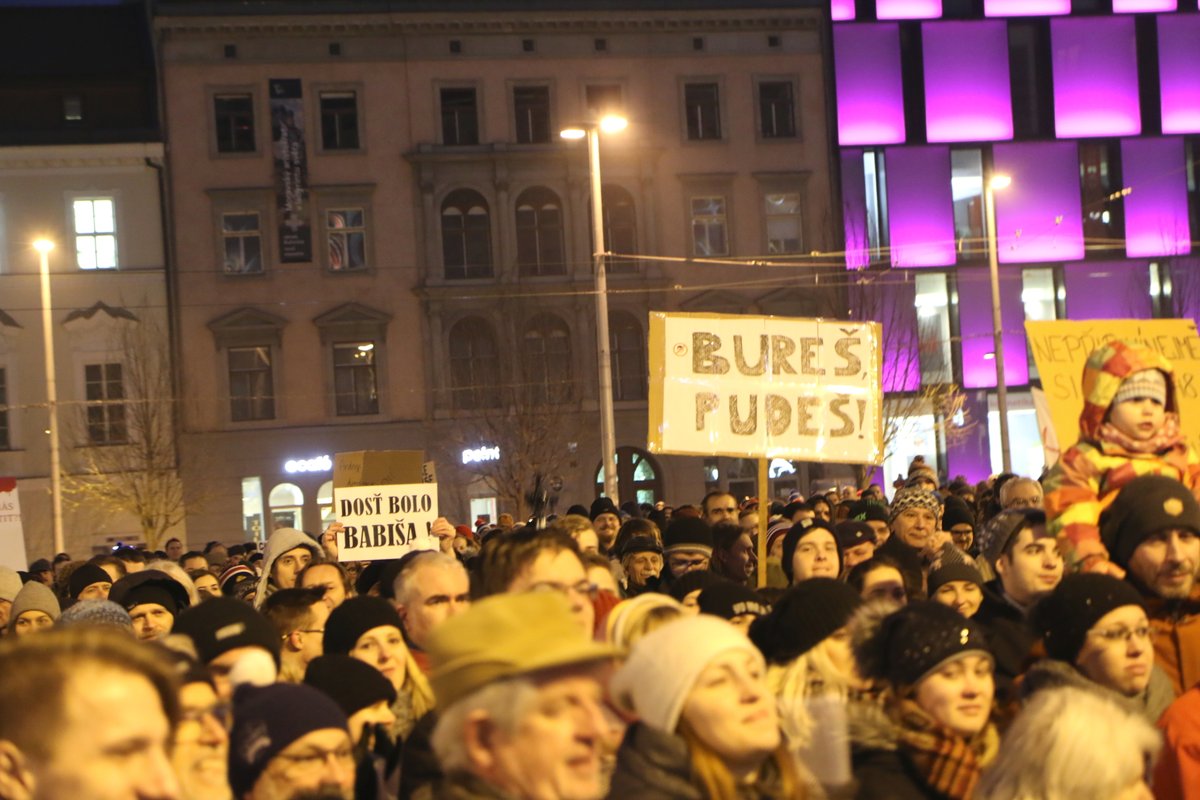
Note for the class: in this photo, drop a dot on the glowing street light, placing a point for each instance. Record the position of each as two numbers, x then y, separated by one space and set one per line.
43 247
994 184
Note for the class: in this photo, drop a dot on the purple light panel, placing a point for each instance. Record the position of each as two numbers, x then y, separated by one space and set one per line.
1025 8
870 97
1039 217
1107 290
1179 72
1143 6
841 10
920 206
1156 210
1095 77
891 299
908 9
968 97
975 324
854 209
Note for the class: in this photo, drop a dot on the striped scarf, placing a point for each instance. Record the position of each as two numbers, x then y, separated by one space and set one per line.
949 763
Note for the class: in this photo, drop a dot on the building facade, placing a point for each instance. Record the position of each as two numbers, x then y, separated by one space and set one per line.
1090 108
382 242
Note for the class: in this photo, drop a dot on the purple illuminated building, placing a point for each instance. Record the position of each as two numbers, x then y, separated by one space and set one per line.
1025 8
870 96
908 9
920 211
1095 77
967 93
1179 72
1038 217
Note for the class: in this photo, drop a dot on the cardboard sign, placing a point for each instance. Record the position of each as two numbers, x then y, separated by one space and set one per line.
1061 349
387 501
12 535
765 387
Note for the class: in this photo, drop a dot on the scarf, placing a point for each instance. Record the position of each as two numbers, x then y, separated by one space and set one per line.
947 762
1165 438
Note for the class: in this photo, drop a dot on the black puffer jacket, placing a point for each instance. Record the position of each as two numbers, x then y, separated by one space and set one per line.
880 771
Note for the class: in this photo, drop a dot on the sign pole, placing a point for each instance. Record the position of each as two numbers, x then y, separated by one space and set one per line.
764 511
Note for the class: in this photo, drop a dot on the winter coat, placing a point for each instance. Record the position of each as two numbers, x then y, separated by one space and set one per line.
1087 478
464 786
1009 637
1051 674
280 542
881 769
1177 773
1175 632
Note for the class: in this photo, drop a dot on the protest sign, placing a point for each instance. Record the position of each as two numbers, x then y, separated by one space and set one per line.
765 387
12 535
386 502
1061 348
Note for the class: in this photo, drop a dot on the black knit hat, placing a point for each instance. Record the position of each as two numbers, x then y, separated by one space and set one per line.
221 624
640 544
602 505
803 617
352 684
907 644
955 511
355 617
687 533
1064 616
1145 506
266 719
1003 528
801 529
696 580
956 571
85 576
728 600
868 511
149 586
851 533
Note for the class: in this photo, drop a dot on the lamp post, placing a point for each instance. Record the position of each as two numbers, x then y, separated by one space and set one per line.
608 441
994 184
44 246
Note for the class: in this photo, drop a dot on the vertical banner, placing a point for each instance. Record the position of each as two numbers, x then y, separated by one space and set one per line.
291 170
12 535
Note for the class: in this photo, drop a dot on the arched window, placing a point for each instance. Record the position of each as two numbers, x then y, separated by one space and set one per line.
325 504
540 233
466 235
628 357
546 360
474 371
638 476
287 506
620 228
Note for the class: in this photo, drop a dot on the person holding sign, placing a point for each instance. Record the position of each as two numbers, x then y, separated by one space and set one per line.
1129 427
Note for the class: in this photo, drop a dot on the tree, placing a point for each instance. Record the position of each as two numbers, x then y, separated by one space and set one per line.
129 462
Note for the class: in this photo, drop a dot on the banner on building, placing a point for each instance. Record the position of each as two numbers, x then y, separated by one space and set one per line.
291 170
12 534
765 387
1061 348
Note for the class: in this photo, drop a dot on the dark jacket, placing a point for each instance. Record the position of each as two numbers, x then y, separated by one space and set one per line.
463 786
1009 637
1050 674
880 770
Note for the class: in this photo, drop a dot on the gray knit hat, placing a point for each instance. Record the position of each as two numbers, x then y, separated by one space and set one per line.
96 612
10 584
1147 383
34 596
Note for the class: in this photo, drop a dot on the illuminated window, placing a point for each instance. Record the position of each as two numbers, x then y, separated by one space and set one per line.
95 232
709 226
785 233
347 232
241 242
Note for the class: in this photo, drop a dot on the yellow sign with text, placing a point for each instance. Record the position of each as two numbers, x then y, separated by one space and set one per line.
1060 349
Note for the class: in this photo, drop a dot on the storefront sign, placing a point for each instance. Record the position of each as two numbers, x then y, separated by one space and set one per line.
12 535
480 454
765 387
1061 349
315 464
291 170
385 521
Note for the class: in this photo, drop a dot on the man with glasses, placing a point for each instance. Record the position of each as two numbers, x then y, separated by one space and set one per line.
529 560
201 753
289 741
1021 493
299 618
687 547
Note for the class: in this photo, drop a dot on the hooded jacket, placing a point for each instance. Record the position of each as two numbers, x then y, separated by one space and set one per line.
1087 478
281 541
1177 773
1049 673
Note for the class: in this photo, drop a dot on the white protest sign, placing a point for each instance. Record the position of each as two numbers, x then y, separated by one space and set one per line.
12 535
765 387
385 521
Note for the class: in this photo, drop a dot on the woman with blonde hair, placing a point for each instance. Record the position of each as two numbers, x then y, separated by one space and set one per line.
632 619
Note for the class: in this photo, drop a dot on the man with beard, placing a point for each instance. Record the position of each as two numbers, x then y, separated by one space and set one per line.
1152 531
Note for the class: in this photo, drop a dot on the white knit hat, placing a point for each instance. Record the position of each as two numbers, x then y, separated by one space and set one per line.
1148 383
665 664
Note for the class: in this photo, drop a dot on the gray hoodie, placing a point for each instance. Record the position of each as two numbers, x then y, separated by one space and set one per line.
280 542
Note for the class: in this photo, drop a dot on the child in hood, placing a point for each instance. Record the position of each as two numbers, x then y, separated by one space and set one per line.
1129 427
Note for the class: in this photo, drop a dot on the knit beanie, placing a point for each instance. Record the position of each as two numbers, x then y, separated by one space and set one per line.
640 544
233 576
1147 383
85 576
954 571
355 617
1145 506
912 497
695 581
955 511
663 666
221 624
602 505
728 600
798 531
150 586
777 531
806 615
1003 528
688 533
909 643
869 511
352 684
96 612
267 719
851 533
1064 617
626 614
10 584
34 596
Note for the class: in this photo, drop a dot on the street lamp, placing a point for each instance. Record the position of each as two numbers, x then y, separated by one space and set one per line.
994 184
608 443
43 247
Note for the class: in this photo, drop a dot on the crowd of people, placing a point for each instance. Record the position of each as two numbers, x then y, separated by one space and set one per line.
955 641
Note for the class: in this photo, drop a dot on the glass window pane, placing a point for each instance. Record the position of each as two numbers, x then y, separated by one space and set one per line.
85 252
84 222
933 328
966 187
102 212
106 251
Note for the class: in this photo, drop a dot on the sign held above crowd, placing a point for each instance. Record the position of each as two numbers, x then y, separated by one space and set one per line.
765 387
387 502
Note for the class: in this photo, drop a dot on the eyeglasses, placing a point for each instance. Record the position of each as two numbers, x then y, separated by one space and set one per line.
311 630
583 588
1113 635
222 713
